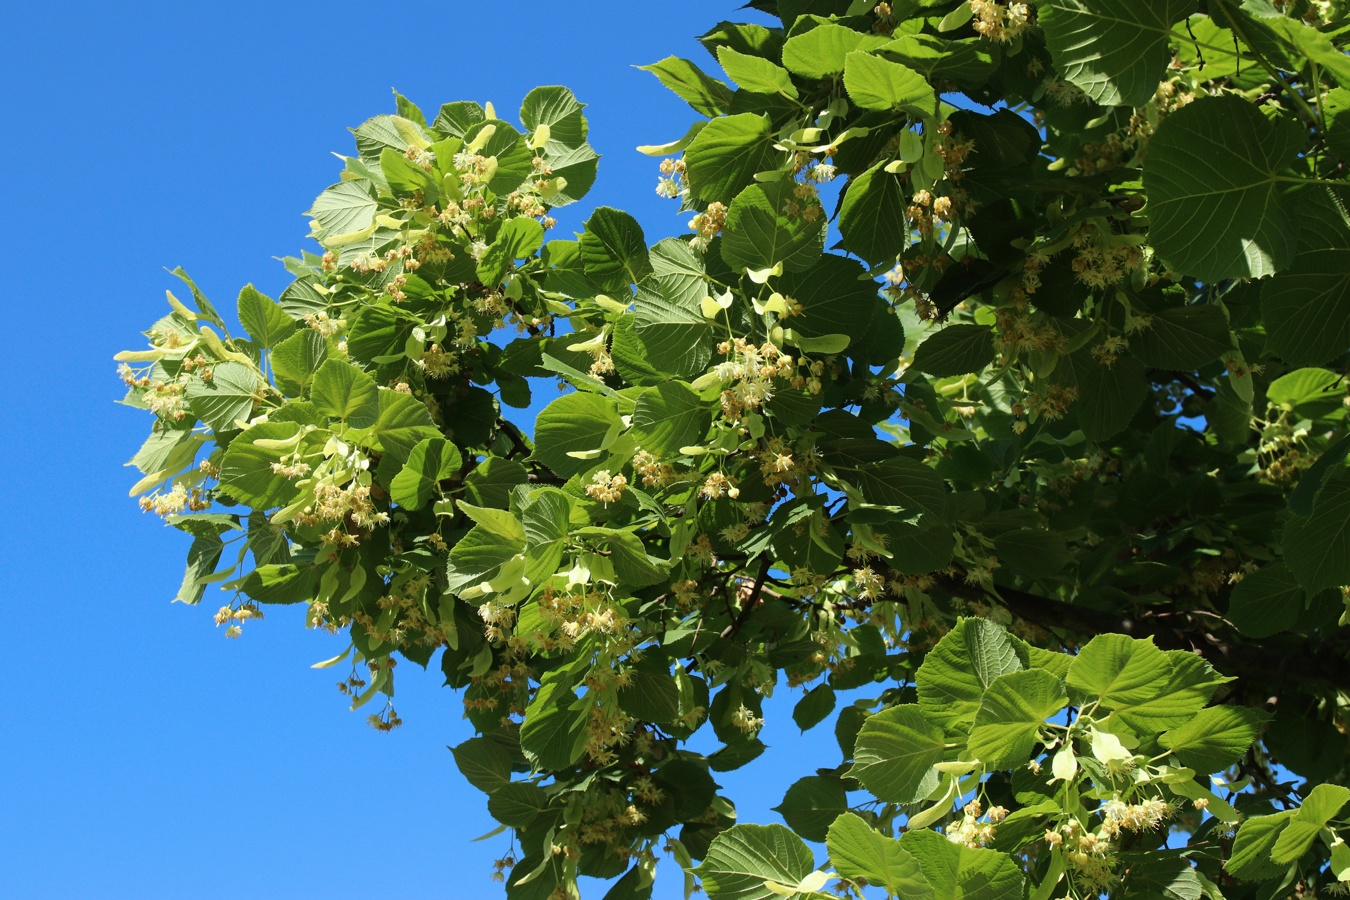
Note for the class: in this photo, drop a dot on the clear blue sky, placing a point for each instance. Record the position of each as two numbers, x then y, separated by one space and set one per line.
141 753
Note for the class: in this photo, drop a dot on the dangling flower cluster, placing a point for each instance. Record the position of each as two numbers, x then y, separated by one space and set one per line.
746 721
437 362
652 472
1052 402
1020 332
717 485
1145 816
335 504
1090 854
175 501
971 832
605 487
707 225
1000 22
386 720
236 617
752 369
325 326
1063 93
671 183
1103 259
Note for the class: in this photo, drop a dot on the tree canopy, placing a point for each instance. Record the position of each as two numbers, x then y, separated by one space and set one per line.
1034 483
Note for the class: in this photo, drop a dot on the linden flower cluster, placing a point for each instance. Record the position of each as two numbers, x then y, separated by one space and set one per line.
1091 855
1103 259
175 501
1019 332
1000 22
707 225
236 617
605 487
970 831
653 472
671 183
752 369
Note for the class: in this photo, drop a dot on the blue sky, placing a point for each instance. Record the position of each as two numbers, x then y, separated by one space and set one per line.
143 754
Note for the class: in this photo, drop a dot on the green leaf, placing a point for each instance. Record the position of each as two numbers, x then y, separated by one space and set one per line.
406 178
1303 497
706 95
1183 337
1115 52
858 852
967 62
1033 552
395 132
299 356
491 481
1155 877
346 393
478 557
769 224
836 295
1152 690
821 52
1108 396
741 859
202 559
667 320
1118 670
1211 170
455 119
1266 602
402 423
812 804
1253 849
204 306
670 416
1323 802
227 397
265 321
1317 549
345 208
875 83
1188 689
1012 711
282 583
518 239
613 249
952 680
652 694
872 218
1216 737
1307 308
246 469
558 108
956 350
485 762
903 482
431 461
1309 392
574 423
517 804
963 873
727 154
553 733
756 74
813 708
895 754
